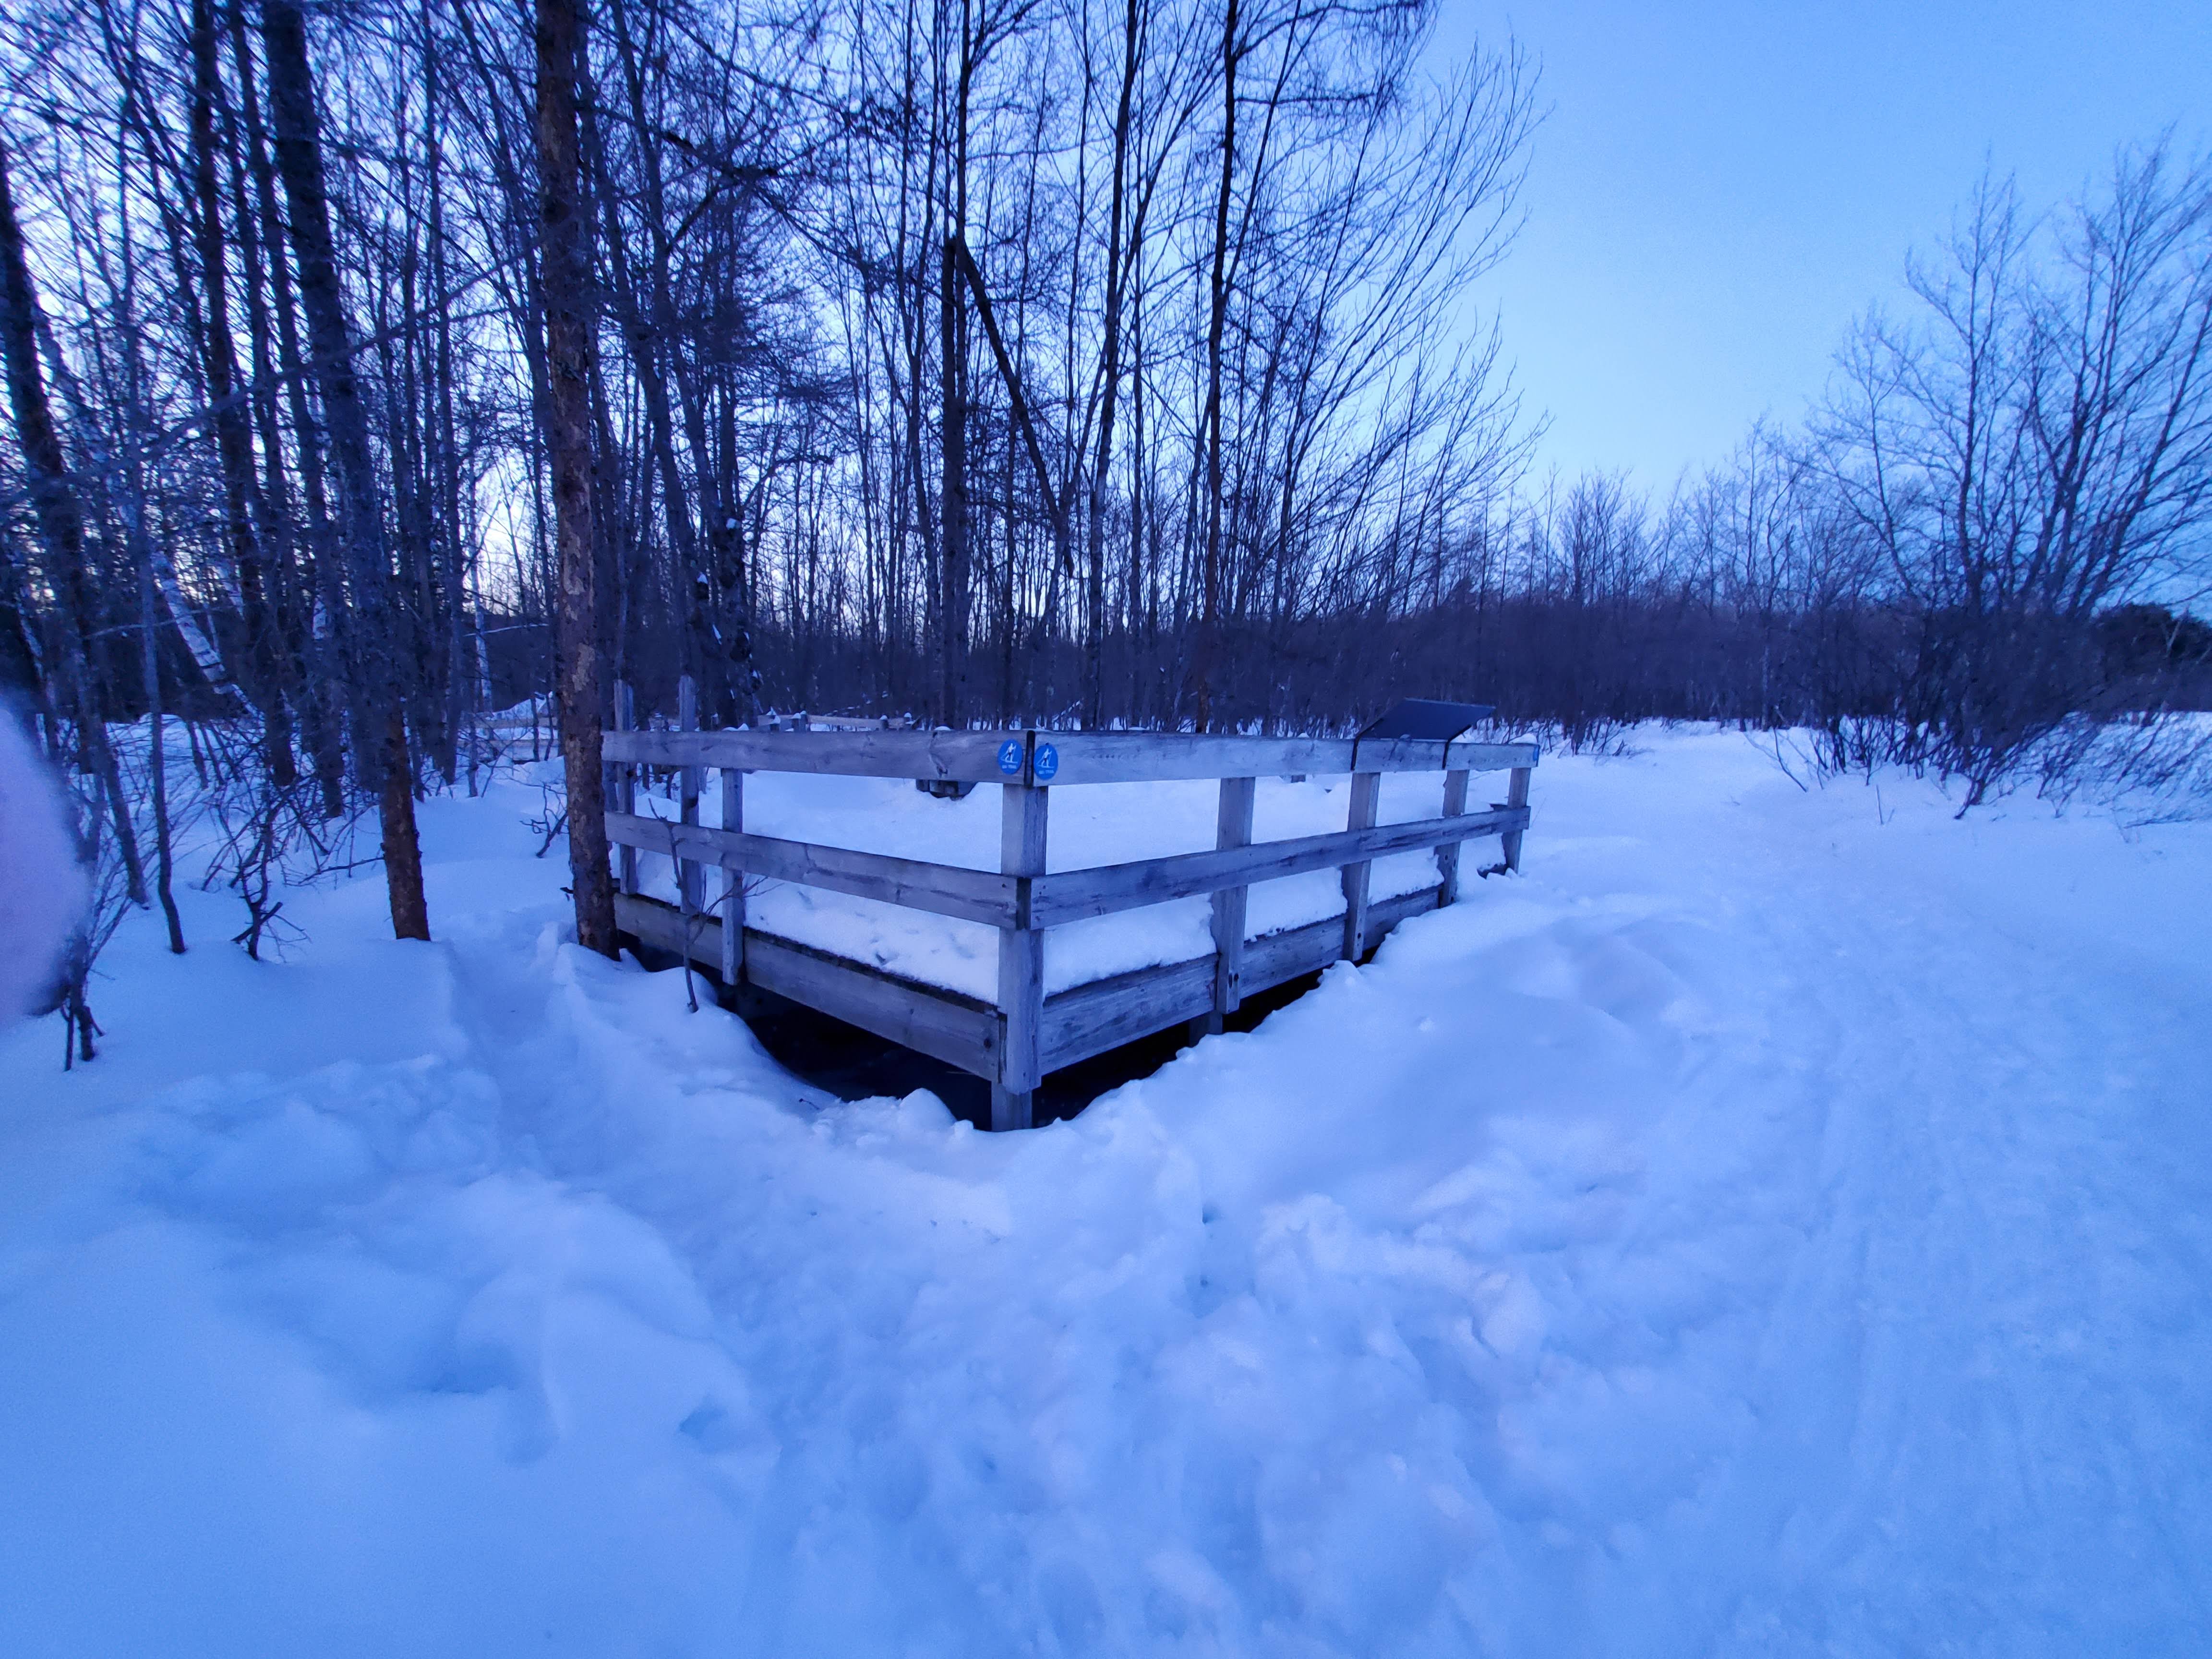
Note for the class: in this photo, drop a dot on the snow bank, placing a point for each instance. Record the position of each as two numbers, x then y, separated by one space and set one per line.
1777 1224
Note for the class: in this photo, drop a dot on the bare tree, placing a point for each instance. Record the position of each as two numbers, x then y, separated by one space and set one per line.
2032 445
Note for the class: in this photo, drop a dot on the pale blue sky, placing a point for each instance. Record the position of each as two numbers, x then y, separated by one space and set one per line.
1721 186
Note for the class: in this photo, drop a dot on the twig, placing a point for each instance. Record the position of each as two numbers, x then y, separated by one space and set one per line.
690 923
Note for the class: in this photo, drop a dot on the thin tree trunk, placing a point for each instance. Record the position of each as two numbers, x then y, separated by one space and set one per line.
1094 618
281 547
232 424
61 525
1202 660
21 683
452 572
568 338
377 683
129 479
316 646
157 769
953 606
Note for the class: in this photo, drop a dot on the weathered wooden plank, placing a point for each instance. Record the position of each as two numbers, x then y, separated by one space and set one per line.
1447 854
1232 829
1420 755
1274 957
1268 961
959 1031
624 797
1151 756
1073 1025
733 881
661 925
943 890
1088 1019
1022 836
690 781
1516 799
1384 915
1074 894
1075 757
1366 793
962 756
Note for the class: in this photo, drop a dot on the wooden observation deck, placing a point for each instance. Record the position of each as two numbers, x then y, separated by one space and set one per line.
1014 1040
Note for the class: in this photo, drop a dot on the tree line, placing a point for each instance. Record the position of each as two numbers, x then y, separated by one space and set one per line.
375 366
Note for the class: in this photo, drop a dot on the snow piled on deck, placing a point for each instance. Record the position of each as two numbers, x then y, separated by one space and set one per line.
1087 825
1780 1222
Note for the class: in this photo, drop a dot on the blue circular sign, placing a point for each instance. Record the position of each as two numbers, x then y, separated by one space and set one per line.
1047 763
1010 758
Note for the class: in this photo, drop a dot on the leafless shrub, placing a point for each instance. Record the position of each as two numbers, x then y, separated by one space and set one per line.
551 822
2155 768
267 837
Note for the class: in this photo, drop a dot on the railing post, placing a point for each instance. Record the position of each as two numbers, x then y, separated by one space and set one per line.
625 790
691 779
1366 791
1021 960
733 883
1517 794
1447 854
1233 827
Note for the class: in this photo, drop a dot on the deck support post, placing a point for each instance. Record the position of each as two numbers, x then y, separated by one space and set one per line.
1366 792
1447 854
733 883
624 795
1517 794
1233 827
691 781
1021 960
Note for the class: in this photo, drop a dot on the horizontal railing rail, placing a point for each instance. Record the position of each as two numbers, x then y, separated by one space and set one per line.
944 890
1171 757
950 756
1059 759
1103 890
986 897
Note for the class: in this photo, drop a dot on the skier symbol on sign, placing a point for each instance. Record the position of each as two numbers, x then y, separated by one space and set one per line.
1010 757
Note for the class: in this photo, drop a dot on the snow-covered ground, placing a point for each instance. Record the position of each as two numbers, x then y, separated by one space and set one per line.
1780 1222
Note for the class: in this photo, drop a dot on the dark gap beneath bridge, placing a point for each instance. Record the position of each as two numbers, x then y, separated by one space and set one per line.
853 1064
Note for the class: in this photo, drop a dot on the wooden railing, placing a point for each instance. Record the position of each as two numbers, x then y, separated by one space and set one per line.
1014 1041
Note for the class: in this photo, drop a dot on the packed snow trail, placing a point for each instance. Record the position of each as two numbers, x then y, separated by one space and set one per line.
1781 1222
